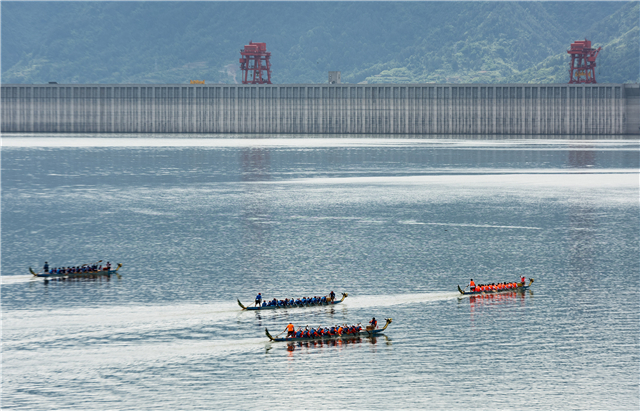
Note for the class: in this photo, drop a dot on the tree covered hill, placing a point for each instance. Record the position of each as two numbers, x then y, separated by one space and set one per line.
173 42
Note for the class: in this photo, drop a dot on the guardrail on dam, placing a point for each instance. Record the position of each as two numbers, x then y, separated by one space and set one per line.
535 109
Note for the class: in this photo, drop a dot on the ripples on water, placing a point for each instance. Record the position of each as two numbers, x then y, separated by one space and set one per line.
396 223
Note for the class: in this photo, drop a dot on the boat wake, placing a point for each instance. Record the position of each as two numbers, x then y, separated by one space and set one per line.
17 279
365 301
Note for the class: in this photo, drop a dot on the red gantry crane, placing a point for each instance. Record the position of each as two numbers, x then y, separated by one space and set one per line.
583 62
255 59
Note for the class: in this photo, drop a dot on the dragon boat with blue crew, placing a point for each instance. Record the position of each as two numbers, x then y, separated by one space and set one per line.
294 304
68 274
521 286
369 331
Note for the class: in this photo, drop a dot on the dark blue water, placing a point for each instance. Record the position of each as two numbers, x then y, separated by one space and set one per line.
397 224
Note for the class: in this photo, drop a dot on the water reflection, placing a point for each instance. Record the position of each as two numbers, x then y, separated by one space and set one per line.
255 216
582 242
478 303
307 347
581 158
582 221
499 298
94 278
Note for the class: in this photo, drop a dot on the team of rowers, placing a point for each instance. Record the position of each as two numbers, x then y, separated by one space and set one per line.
289 302
94 268
493 287
337 330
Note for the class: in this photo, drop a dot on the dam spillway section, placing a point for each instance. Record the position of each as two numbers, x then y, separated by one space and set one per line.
366 109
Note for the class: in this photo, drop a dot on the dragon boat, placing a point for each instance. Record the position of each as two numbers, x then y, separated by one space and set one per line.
273 307
364 333
86 274
520 287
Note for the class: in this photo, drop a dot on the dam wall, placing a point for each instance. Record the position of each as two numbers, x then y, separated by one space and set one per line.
527 109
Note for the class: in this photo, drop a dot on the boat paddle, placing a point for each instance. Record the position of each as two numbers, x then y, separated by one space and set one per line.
284 331
99 261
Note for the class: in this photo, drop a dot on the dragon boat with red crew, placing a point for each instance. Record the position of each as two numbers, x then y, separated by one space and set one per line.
291 303
496 289
347 333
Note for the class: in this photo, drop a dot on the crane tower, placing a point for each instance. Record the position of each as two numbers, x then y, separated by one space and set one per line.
255 60
583 62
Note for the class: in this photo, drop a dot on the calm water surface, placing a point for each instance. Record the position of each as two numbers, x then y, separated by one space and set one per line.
397 224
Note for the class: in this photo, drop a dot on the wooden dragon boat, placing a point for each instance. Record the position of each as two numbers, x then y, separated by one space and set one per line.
273 307
520 287
363 333
86 274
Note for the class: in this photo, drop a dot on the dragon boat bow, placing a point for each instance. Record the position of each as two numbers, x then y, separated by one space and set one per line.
273 307
364 333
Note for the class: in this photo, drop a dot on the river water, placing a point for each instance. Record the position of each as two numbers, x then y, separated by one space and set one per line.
398 224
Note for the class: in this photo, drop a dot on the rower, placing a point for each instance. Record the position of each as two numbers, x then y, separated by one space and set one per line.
290 330
472 286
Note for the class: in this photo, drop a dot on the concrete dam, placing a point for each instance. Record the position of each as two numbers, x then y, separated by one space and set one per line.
365 109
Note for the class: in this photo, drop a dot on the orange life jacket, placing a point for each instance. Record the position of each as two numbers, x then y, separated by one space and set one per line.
290 327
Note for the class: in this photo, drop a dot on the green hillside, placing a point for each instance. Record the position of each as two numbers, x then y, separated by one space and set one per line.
619 37
173 42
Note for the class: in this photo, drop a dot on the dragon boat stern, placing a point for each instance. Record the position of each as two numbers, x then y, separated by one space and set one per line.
266 331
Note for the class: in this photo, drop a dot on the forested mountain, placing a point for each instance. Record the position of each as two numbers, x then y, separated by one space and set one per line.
173 42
